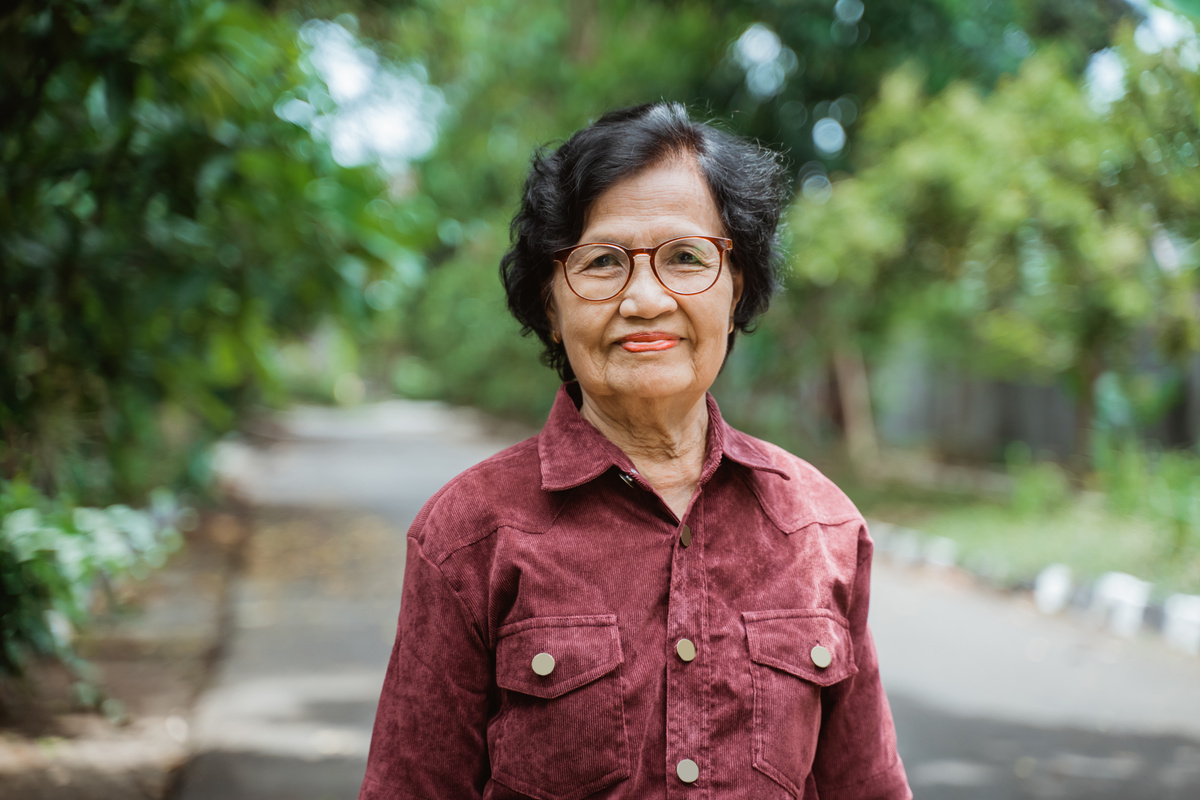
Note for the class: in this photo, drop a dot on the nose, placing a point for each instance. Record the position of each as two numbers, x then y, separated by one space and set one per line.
644 296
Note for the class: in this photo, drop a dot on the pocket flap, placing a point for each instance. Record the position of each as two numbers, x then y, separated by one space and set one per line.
584 648
787 640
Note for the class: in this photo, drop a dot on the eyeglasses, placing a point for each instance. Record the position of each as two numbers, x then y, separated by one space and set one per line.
601 271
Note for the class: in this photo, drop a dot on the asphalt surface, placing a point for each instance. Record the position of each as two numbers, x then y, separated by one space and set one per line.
992 700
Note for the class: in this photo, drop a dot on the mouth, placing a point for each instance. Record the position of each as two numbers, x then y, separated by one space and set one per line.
648 342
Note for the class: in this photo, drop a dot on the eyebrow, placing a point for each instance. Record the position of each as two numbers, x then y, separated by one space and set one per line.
625 241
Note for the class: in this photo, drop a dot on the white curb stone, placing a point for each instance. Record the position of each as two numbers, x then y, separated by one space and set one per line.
1052 588
1181 622
1120 600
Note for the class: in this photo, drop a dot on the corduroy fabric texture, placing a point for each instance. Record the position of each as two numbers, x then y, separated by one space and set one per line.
557 546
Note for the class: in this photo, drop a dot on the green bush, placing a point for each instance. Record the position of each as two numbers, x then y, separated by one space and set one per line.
1039 487
170 218
55 558
1162 487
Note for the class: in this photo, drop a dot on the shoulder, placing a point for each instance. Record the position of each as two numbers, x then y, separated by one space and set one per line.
503 490
794 493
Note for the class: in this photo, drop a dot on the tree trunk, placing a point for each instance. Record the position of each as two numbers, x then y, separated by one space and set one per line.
1085 415
854 398
584 25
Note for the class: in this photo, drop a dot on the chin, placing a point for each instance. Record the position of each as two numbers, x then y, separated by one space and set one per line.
656 382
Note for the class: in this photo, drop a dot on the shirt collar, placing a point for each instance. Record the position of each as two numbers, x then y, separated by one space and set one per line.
572 451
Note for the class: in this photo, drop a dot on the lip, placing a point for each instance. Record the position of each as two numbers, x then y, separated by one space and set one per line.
648 341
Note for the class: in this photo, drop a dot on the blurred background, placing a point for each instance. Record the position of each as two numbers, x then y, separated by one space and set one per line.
212 212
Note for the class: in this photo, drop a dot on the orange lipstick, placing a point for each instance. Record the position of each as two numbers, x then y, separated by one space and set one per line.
648 341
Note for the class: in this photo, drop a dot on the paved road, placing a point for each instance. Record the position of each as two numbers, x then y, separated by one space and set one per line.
992 700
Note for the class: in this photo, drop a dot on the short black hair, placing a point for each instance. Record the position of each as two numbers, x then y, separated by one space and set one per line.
748 183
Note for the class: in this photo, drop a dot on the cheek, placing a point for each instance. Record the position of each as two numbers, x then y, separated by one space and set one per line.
721 311
583 325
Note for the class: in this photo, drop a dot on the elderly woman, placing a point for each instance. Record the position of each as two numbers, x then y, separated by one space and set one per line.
640 601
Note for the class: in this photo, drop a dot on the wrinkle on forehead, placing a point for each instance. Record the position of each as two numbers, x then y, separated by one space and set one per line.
677 158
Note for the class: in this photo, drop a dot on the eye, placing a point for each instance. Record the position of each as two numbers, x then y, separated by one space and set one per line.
687 257
603 260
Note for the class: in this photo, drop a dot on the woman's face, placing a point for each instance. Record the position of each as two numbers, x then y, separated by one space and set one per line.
646 342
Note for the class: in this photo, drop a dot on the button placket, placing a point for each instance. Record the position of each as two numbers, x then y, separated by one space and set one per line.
688 675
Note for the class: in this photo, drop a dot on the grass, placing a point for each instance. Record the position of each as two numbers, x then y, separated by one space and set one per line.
1013 543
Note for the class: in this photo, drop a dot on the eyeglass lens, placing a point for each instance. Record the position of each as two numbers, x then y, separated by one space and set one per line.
685 266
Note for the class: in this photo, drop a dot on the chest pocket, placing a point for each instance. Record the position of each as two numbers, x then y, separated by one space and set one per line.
560 733
794 654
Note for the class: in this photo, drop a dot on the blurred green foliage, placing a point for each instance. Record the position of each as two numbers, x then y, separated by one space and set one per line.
163 228
517 75
1039 486
1164 487
1032 231
54 559
199 214
162 231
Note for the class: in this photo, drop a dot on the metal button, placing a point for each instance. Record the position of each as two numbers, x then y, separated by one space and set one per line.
685 649
685 536
543 664
821 656
625 476
687 770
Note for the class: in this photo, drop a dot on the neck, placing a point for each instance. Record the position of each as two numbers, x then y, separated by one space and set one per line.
665 440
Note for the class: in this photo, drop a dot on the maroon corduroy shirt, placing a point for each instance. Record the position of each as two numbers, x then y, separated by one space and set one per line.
724 655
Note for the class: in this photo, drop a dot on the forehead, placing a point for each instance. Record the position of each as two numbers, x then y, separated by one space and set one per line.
660 202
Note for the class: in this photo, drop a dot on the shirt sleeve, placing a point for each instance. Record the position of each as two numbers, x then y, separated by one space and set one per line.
856 753
430 736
